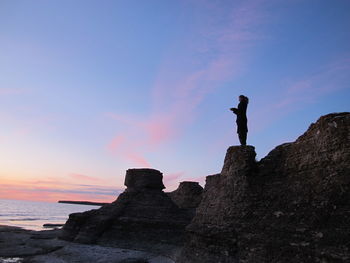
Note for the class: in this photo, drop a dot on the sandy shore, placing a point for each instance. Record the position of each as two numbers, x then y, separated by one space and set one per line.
25 246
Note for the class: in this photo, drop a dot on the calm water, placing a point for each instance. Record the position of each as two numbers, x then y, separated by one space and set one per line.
32 215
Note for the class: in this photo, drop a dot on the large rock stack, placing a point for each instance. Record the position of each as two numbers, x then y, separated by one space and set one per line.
292 206
143 217
213 231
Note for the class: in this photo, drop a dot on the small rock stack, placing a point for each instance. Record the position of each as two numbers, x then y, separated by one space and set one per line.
143 217
188 195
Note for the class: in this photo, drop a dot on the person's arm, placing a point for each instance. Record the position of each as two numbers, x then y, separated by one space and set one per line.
234 110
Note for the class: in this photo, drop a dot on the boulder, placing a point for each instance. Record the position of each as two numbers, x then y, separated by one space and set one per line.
188 195
291 206
143 179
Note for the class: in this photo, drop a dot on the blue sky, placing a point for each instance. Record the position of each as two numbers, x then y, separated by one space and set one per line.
89 89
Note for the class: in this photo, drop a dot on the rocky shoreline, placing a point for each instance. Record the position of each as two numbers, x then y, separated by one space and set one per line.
24 246
291 206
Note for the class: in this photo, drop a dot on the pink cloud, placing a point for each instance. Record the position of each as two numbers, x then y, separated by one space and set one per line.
137 159
173 176
115 143
171 180
83 177
145 134
212 54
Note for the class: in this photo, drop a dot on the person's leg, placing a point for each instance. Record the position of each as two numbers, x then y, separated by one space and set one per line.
242 138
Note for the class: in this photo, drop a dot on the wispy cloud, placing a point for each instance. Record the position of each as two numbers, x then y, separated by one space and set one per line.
83 177
171 180
299 93
210 54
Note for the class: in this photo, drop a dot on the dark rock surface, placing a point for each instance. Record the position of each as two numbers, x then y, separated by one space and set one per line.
143 217
292 206
143 179
24 246
188 195
19 243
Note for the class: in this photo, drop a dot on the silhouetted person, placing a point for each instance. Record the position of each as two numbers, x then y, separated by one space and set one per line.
241 112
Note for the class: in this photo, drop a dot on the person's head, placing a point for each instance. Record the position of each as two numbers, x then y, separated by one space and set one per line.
243 98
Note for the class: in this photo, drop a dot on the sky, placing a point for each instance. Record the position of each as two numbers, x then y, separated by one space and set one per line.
89 89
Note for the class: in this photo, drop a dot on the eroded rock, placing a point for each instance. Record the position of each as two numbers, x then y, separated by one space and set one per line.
213 233
143 217
292 206
143 180
188 195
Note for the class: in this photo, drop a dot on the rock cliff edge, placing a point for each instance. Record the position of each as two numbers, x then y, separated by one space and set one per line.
292 206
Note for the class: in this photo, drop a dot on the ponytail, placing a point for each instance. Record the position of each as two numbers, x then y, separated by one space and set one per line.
245 98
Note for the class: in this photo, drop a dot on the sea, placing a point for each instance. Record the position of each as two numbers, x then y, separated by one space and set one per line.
33 215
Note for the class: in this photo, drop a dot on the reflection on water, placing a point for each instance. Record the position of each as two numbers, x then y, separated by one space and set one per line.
32 215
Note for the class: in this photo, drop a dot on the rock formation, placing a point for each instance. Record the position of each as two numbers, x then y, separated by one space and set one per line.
292 206
143 217
188 195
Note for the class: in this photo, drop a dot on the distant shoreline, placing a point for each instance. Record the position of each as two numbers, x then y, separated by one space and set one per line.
81 203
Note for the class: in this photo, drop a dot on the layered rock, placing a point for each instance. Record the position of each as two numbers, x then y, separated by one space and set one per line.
213 230
143 217
292 206
188 195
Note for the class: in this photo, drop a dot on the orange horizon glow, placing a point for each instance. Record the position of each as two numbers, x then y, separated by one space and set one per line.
53 191
52 198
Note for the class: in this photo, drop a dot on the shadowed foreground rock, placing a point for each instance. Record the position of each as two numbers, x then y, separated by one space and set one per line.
292 206
24 246
143 217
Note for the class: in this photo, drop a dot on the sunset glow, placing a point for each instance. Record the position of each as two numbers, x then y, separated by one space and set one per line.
89 89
